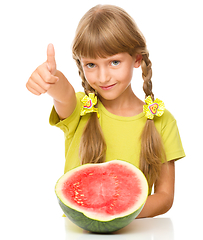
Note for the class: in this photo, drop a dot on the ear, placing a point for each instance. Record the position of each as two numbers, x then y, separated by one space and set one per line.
138 60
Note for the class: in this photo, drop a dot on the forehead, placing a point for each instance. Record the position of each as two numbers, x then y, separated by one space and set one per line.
119 56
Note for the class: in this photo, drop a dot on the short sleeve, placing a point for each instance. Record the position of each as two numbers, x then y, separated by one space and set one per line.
68 125
171 139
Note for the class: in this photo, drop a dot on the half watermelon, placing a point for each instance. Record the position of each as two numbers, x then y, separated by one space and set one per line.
102 197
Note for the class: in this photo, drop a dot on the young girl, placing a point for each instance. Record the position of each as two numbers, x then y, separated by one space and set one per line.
109 121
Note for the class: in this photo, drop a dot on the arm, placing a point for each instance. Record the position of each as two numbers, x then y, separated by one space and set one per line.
64 96
162 199
46 78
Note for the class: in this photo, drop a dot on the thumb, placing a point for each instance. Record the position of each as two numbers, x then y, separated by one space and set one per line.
51 62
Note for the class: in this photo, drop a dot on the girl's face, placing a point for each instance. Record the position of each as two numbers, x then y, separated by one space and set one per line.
111 76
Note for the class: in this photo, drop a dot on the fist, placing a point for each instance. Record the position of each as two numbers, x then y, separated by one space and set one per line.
44 76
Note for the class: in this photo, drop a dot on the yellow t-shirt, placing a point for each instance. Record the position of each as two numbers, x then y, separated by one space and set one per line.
122 134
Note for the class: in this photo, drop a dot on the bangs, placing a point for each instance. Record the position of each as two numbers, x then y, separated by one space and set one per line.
104 34
100 43
99 46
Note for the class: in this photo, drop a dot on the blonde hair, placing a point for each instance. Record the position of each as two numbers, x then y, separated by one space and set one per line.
106 30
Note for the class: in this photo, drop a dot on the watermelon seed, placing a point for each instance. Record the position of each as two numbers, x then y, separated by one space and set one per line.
90 173
82 195
76 183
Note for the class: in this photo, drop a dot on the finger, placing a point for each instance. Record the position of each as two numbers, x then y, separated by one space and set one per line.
32 90
38 87
45 75
38 83
51 62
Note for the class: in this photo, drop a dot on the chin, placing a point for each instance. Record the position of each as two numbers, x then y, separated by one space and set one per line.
108 96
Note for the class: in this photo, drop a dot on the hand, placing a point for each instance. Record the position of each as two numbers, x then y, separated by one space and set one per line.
43 77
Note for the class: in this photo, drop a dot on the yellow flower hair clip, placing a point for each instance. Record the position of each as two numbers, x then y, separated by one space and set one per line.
88 104
153 108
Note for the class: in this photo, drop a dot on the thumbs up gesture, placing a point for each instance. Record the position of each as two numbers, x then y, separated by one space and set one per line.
44 77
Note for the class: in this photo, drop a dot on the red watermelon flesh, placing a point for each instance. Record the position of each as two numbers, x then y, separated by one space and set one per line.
103 191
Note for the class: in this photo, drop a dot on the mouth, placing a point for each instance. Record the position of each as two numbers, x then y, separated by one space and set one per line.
107 87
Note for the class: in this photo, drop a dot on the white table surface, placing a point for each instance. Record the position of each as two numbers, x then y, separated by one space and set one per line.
140 229
63 229
144 229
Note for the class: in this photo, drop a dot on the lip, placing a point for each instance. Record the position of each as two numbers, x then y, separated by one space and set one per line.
107 87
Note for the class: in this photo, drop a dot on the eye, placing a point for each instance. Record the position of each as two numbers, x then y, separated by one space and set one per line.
90 65
115 63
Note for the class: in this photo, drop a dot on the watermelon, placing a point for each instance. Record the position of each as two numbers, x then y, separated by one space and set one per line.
102 197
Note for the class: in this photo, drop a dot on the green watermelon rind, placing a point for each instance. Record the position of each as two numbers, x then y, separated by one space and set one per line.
101 225
97 226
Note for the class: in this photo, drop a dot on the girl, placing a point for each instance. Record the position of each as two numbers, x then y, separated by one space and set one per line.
109 121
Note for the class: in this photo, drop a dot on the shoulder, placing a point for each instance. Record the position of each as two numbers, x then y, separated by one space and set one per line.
166 118
165 121
80 95
168 128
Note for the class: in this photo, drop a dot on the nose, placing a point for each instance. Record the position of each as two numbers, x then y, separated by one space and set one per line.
104 75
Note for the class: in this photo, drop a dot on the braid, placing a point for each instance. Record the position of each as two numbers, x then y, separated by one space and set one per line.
92 144
147 75
87 88
152 150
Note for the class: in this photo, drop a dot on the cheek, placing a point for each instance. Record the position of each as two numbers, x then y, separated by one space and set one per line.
124 75
89 77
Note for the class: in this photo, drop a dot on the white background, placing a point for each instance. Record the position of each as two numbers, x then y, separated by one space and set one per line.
32 152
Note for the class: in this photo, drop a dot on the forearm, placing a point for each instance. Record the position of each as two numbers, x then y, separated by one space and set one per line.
63 95
60 90
156 204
